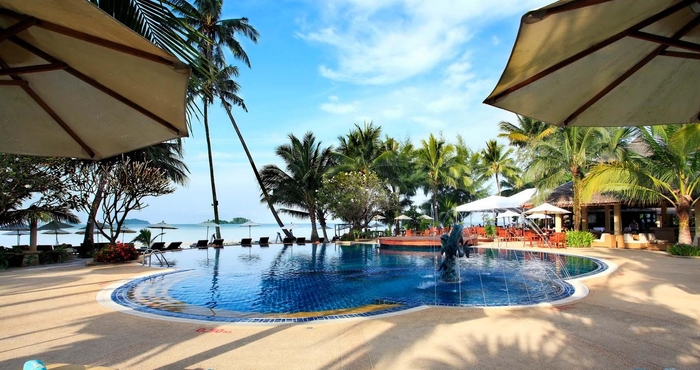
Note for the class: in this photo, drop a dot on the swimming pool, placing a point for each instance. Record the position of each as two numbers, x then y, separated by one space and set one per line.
320 282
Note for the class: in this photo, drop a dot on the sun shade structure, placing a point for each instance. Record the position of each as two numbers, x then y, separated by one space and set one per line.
249 224
605 63
162 226
74 82
547 208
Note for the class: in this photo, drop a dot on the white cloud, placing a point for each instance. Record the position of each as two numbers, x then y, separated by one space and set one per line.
335 107
376 42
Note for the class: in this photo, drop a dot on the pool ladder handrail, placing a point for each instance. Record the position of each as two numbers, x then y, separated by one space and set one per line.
160 256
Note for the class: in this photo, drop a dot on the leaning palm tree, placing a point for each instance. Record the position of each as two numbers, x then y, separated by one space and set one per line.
204 16
497 161
306 161
665 169
565 156
437 161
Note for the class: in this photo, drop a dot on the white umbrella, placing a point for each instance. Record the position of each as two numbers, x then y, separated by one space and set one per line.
377 217
17 231
56 232
425 217
162 226
83 85
249 224
605 63
547 208
508 214
538 216
208 224
403 217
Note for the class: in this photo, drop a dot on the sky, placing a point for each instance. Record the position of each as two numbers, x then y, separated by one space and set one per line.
413 67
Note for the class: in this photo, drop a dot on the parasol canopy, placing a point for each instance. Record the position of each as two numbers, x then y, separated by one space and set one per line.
249 224
162 226
74 82
605 63
547 208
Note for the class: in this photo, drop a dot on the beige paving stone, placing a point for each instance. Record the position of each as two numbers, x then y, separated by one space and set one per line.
644 315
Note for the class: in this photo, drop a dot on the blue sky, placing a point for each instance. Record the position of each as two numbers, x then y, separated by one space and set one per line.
412 67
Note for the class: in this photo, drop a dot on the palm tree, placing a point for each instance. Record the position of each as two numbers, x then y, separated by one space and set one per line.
667 169
306 161
205 17
438 162
565 156
362 150
524 134
33 214
497 161
144 237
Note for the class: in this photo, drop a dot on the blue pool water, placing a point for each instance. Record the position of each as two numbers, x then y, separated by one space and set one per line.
311 282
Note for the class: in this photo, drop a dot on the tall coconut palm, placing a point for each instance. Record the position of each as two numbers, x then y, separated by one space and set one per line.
497 161
524 133
306 161
438 162
362 149
666 169
205 17
565 156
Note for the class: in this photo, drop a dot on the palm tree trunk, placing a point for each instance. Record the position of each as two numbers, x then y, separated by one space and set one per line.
215 202
683 213
435 208
255 171
576 200
314 230
322 222
33 231
498 184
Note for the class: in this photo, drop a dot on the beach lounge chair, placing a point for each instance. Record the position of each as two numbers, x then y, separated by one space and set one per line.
288 240
173 245
218 243
202 244
247 242
301 240
264 241
43 248
158 246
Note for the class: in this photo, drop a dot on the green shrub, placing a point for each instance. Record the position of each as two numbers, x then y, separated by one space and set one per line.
489 227
4 259
346 238
116 253
579 239
684 250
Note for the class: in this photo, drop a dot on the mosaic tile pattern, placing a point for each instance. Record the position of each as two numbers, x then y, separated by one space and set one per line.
316 282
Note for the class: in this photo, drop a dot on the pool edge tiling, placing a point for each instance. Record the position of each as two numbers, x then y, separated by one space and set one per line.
116 298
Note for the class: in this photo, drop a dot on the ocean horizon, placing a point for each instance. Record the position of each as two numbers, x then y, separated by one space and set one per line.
185 233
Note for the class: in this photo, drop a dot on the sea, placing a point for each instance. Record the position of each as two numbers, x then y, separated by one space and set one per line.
185 233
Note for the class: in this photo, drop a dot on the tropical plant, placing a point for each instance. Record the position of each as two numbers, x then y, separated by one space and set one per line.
117 252
205 17
525 133
665 169
566 155
144 237
438 162
684 250
354 197
361 149
497 161
297 185
579 239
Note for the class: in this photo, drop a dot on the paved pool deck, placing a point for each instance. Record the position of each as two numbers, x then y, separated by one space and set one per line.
645 315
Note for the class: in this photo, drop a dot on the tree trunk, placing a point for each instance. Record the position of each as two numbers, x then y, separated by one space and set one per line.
576 200
255 171
498 184
683 213
88 248
435 207
33 231
314 230
215 202
322 222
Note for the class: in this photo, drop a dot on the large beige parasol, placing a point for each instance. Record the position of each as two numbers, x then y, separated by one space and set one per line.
74 82
605 63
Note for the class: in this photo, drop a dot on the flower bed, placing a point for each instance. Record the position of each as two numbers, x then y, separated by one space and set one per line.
119 252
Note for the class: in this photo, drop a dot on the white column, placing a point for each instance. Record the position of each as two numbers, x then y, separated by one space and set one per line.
557 223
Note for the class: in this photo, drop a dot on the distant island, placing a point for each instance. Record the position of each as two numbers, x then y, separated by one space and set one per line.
235 221
131 221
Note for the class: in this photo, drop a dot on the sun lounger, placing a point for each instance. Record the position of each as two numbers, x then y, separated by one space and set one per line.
264 241
43 248
158 246
173 245
288 240
301 240
247 242
218 243
202 244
